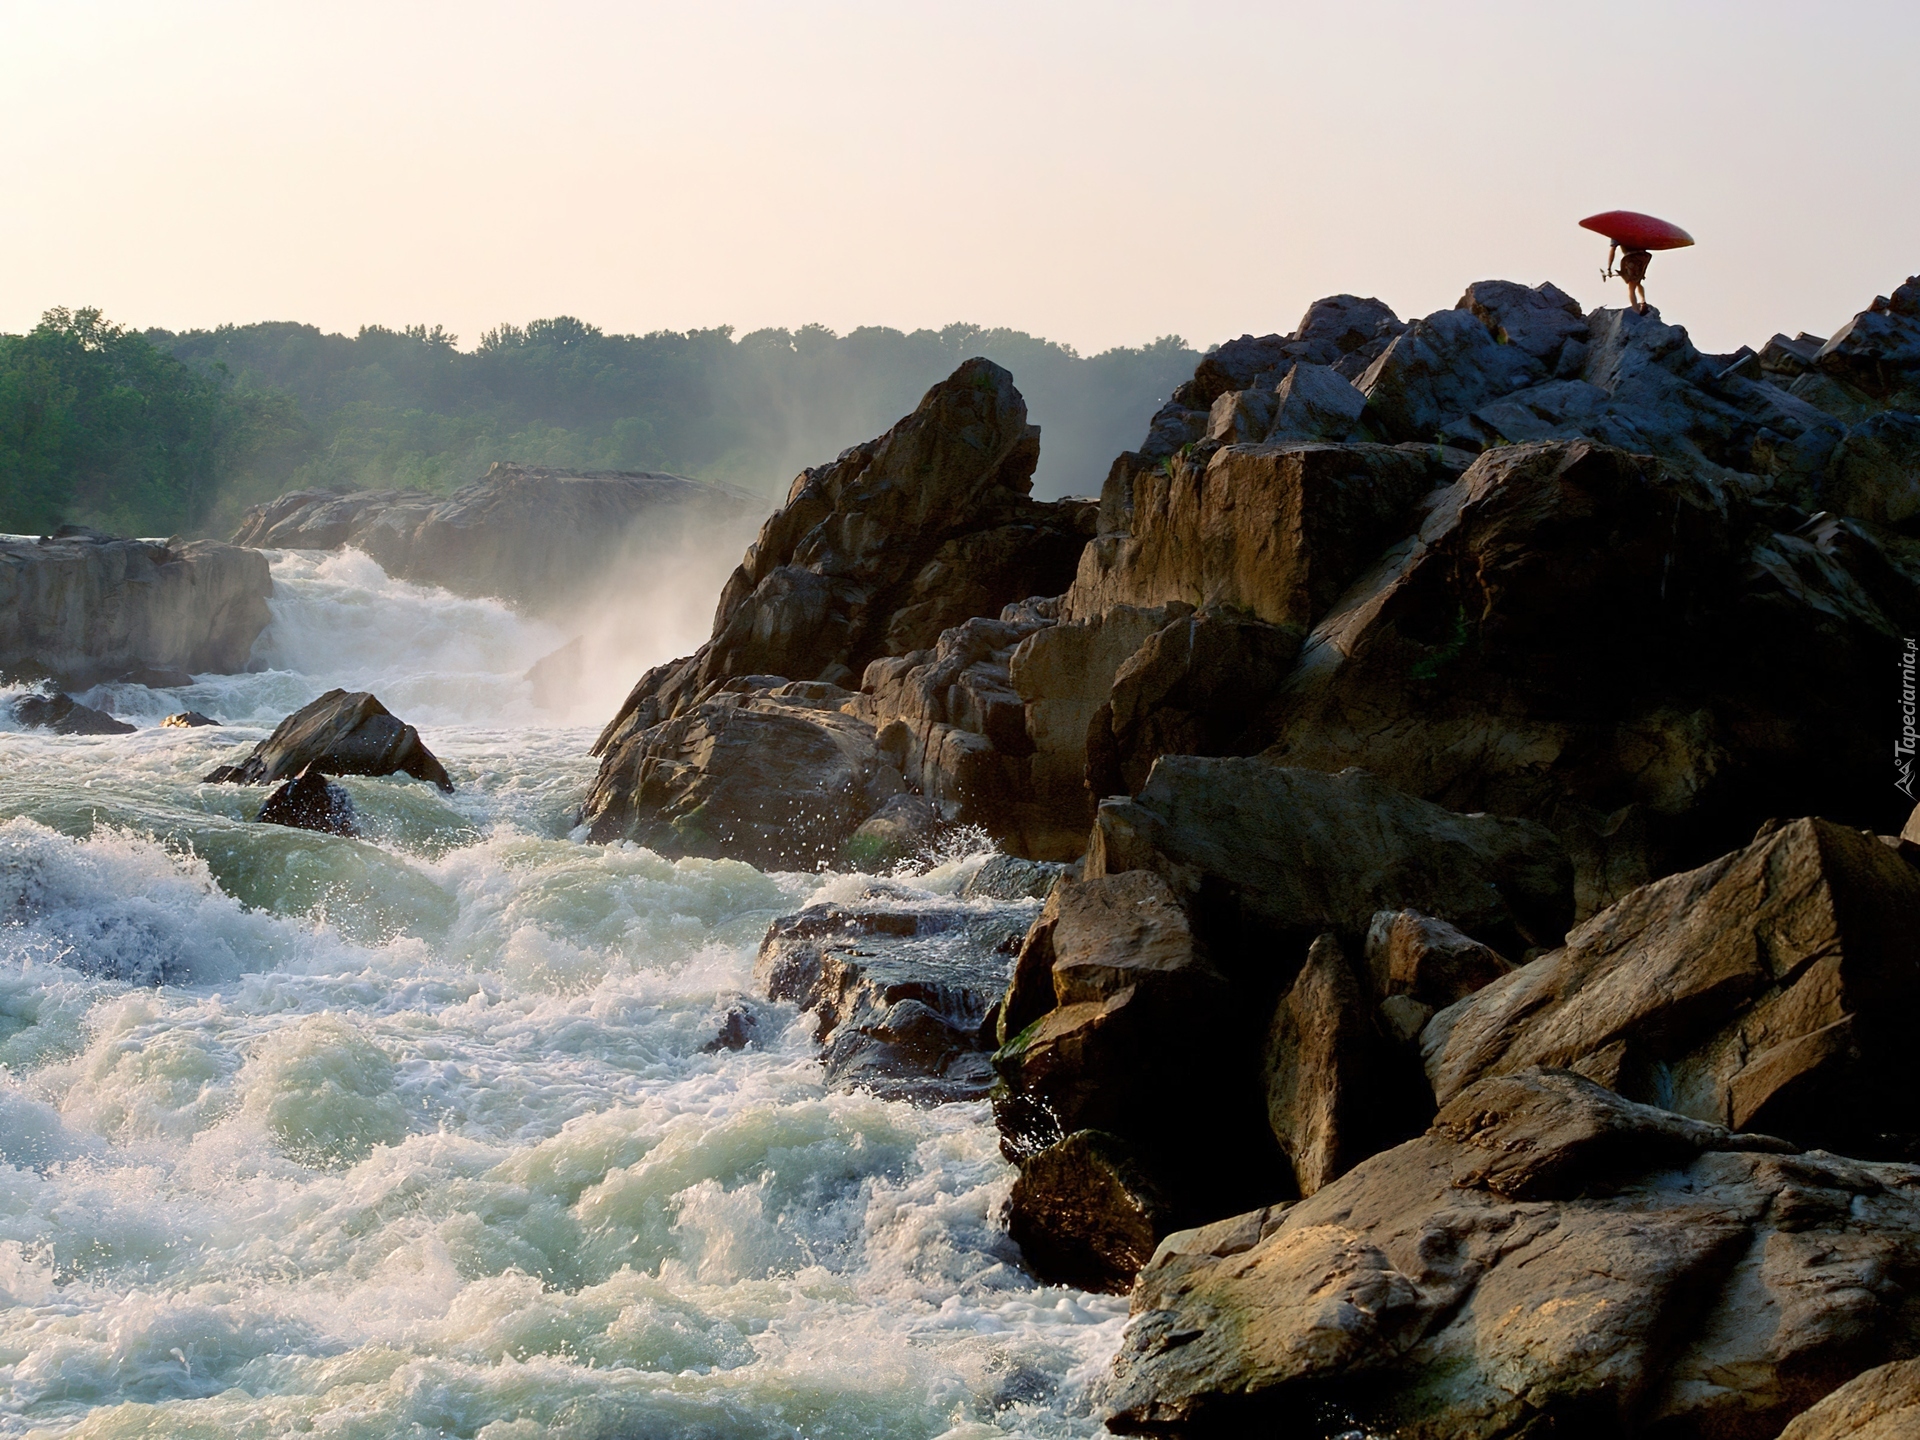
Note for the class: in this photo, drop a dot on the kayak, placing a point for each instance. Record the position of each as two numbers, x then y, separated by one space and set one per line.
1636 231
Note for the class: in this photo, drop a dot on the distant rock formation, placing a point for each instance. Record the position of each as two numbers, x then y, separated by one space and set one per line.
341 733
87 607
540 538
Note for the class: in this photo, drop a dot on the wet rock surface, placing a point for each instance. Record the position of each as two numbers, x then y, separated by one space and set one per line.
899 992
309 802
542 538
341 733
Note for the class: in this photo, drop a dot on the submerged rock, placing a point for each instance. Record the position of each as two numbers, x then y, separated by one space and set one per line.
541 538
89 607
64 715
341 733
1547 1258
308 802
187 720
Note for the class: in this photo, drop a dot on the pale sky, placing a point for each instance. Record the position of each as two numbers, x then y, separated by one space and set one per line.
1099 173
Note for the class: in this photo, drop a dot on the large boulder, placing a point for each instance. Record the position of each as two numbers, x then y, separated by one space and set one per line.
341 733
1547 1259
780 777
88 607
544 539
1769 990
1630 653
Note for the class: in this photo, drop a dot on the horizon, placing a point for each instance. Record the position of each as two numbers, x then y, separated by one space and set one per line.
1048 171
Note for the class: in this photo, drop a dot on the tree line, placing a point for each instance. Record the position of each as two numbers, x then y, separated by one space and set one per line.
176 433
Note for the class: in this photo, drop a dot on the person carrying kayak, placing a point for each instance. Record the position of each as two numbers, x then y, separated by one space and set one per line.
1633 270
1635 237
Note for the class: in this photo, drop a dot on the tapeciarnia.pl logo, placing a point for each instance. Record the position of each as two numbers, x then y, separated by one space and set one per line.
1903 748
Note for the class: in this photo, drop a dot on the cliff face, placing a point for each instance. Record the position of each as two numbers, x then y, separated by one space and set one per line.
90 608
543 539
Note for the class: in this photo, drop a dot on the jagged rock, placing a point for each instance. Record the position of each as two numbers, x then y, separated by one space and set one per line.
555 677
1084 1211
1292 853
542 538
308 802
187 720
1878 350
1315 402
876 554
1335 1092
89 607
1767 991
1151 1000
1875 471
1548 1257
1442 369
1427 959
341 733
1277 530
778 777
899 995
1540 321
1882 1404
950 719
64 715
1598 641
901 829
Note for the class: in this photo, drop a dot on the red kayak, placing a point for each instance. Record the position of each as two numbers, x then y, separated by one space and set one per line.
1634 231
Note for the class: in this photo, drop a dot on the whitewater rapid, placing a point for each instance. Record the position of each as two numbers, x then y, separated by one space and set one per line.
417 1135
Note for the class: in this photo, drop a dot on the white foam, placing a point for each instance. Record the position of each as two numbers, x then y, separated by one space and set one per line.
419 1132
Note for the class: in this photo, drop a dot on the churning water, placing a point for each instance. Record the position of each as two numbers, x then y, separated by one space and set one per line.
415 1135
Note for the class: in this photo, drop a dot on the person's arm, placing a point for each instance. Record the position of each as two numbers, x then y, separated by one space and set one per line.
1612 245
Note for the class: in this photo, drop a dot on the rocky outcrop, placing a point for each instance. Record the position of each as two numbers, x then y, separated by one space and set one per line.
1193 999
899 991
87 607
1548 1258
928 528
308 802
341 733
64 715
187 720
1766 991
1644 659
543 539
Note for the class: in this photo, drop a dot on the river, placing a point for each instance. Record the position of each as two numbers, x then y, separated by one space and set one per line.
416 1135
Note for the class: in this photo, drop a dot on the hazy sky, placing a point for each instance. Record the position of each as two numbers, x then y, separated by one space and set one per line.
1099 173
